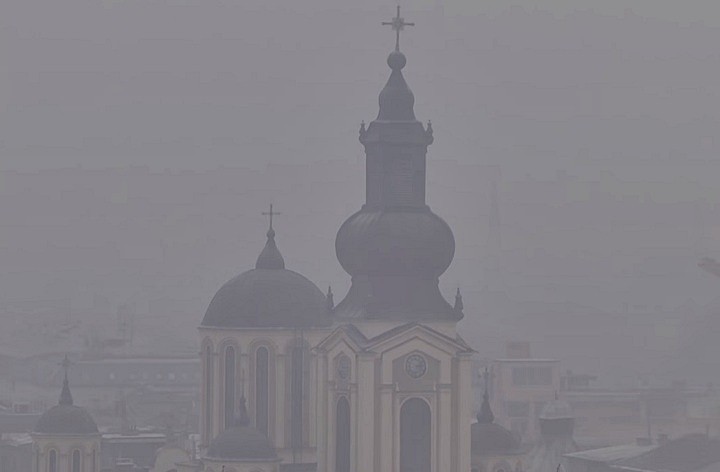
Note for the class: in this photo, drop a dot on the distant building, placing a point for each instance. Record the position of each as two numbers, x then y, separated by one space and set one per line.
557 424
521 386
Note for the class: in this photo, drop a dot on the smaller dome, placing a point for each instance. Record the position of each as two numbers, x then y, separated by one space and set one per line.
488 438
66 418
241 442
268 296
491 438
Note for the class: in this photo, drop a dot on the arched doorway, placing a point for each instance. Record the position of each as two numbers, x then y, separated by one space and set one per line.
342 436
415 436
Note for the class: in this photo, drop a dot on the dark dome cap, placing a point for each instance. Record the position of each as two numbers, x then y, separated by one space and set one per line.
66 418
268 296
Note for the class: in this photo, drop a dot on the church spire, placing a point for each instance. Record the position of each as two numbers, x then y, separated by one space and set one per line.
396 99
65 395
486 415
270 257
395 248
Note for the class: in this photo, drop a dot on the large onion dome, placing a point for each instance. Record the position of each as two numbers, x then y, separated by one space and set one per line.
268 296
65 418
395 248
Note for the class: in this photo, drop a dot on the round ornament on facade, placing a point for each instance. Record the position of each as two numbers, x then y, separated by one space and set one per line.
415 366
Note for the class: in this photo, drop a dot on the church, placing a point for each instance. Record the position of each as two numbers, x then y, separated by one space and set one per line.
380 381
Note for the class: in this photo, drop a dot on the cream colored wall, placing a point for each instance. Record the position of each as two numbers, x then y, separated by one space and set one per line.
64 445
278 342
376 393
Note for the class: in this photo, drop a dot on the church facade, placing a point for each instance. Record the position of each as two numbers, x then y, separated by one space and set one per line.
382 381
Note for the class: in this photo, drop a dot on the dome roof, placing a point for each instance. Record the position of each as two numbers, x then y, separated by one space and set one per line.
486 437
66 418
491 438
241 442
268 296
395 243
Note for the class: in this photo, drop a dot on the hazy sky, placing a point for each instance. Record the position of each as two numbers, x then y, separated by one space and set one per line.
601 118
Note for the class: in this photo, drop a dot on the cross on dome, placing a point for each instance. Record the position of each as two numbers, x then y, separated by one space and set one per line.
271 213
398 24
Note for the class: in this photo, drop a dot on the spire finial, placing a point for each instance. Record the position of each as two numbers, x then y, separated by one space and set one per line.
270 257
486 415
329 299
458 301
65 395
398 24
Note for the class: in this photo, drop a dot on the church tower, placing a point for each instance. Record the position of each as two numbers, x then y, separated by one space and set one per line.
66 438
256 339
394 376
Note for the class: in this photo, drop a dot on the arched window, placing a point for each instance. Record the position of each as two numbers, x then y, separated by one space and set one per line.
52 461
229 387
208 394
262 364
75 461
415 436
342 435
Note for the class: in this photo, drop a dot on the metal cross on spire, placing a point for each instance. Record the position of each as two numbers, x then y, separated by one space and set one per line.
65 364
398 24
270 213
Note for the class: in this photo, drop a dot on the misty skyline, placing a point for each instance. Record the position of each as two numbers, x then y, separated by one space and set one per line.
601 123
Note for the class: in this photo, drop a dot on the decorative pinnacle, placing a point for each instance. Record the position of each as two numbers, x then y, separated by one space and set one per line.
486 415
398 24
65 395
329 299
458 301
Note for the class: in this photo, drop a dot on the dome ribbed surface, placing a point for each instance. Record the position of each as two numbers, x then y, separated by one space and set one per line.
241 443
267 298
66 419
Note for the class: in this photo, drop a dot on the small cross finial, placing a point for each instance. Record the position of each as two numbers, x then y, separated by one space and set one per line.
270 213
65 363
398 24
